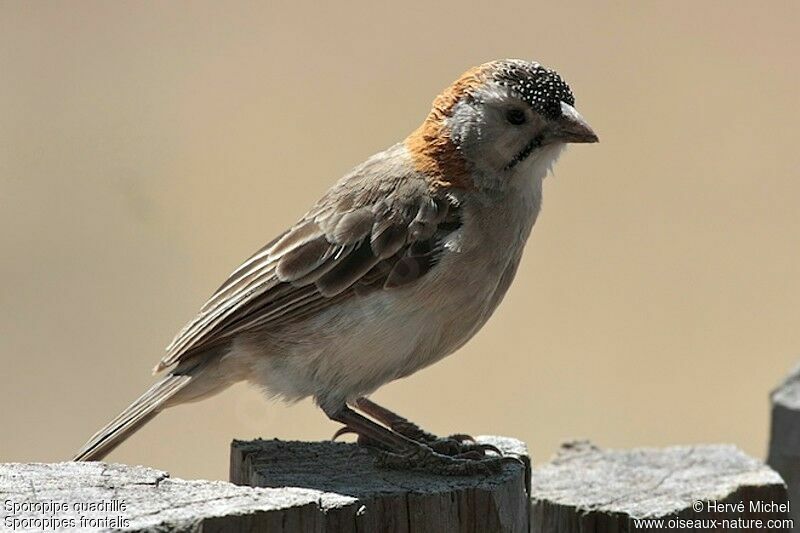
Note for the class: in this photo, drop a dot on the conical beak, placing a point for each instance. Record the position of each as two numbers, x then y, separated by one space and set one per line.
571 127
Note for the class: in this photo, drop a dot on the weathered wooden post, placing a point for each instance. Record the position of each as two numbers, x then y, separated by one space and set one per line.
319 488
385 500
703 487
327 487
111 497
784 438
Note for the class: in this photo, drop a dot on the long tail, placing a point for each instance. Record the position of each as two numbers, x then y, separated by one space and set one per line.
135 416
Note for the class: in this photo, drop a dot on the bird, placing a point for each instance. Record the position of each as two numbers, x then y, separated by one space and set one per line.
399 264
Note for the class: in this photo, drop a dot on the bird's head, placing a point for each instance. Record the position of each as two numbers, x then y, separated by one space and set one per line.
500 120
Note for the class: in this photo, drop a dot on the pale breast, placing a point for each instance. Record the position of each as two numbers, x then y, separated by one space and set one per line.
485 255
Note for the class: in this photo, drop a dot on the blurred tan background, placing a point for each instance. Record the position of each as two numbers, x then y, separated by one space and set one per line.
148 147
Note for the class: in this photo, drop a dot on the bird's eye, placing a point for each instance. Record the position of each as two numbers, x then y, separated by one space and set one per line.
515 116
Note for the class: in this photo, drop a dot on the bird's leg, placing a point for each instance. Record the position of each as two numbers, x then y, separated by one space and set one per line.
394 421
370 433
458 444
401 453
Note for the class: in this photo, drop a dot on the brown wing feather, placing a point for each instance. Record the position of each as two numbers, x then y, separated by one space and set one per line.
363 236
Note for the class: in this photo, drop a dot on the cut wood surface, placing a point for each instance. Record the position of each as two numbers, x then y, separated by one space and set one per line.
588 489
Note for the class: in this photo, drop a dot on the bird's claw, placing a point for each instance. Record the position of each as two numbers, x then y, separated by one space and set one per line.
462 437
361 440
344 430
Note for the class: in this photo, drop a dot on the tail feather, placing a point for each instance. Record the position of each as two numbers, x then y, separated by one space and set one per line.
132 418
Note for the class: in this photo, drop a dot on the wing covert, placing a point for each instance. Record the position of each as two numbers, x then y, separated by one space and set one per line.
364 235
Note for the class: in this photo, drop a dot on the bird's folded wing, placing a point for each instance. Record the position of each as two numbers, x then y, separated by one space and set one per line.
364 235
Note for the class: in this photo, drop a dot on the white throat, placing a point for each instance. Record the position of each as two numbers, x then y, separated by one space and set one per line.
538 165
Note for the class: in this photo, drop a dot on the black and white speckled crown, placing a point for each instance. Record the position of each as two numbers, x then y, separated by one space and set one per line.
542 88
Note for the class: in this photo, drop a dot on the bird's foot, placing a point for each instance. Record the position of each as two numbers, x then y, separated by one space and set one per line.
458 445
454 447
451 456
425 459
